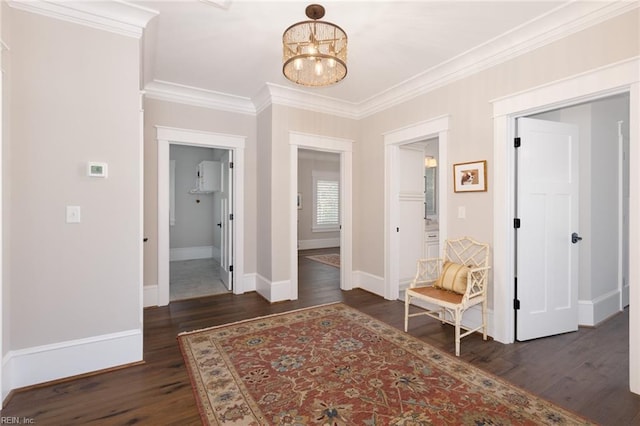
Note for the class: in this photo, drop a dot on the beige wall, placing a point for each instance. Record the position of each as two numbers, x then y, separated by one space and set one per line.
73 98
264 166
170 114
285 120
468 104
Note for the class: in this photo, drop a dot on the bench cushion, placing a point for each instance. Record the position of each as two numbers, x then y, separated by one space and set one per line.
453 278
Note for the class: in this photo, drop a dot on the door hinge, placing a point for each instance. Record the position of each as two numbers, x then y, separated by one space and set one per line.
517 142
516 223
231 165
516 304
230 268
231 216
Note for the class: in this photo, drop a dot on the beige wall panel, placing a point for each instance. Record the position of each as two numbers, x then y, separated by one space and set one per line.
74 98
285 120
468 103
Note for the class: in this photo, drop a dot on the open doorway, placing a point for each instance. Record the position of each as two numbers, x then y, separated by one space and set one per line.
318 202
599 223
342 148
198 206
232 177
430 139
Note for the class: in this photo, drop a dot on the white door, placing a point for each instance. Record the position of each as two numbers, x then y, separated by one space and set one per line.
547 206
226 233
411 219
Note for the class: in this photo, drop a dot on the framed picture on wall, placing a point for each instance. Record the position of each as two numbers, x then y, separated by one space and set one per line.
470 177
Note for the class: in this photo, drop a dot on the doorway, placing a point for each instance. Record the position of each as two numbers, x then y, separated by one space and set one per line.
232 144
318 201
617 78
198 233
434 129
419 225
583 278
343 149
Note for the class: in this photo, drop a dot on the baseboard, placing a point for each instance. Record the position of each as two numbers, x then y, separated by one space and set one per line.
593 312
319 243
31 366
249 282
190 253
371 283
150 295
273 291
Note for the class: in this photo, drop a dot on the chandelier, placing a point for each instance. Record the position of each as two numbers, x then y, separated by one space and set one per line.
314 52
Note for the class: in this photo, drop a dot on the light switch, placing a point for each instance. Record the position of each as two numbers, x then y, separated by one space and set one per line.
462 212
73 214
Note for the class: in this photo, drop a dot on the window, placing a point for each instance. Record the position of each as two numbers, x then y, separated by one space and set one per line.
326 202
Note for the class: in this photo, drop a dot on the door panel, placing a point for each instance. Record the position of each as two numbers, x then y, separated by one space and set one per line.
411 214
547 206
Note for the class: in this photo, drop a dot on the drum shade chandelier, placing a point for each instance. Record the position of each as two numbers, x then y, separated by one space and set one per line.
314 52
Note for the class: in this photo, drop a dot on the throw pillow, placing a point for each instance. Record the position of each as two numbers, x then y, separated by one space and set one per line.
453 278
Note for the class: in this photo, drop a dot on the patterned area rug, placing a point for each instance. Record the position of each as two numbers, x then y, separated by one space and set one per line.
332 259
333 365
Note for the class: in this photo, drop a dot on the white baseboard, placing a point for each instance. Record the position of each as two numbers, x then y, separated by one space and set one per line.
189 253
593 312
371 283
150 295
40 364
319 243
249 282
273 291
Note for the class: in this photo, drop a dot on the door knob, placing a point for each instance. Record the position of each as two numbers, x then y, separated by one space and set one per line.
575 237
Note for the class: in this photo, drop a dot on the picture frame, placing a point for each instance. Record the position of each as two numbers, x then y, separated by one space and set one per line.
470 177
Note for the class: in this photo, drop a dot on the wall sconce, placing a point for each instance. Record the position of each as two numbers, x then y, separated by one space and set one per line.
430 162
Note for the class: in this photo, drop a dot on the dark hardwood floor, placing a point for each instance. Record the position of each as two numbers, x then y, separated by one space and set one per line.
586 371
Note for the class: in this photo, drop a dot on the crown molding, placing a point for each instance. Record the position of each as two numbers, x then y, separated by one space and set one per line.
180 93
119 17
222 4
297 98
558 23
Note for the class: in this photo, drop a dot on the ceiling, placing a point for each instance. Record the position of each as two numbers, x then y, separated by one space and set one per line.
235 46
228 53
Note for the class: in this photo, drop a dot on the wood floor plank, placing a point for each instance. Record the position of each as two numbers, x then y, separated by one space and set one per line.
585 372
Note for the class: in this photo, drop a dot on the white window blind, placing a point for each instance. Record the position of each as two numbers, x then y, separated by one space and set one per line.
327 203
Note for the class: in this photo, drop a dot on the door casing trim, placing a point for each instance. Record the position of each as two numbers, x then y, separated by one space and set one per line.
170 135
602 82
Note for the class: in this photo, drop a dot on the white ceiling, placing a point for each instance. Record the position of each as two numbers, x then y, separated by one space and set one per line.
237 48
225 53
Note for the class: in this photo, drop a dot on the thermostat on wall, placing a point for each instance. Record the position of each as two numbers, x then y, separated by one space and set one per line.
97 169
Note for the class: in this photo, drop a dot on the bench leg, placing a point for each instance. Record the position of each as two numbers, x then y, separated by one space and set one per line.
484 319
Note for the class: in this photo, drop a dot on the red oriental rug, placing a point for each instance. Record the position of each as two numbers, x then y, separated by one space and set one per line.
333 365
